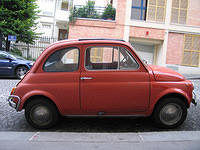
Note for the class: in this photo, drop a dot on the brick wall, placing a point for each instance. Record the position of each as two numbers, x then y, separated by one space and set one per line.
85 28
175 48
141 32
193 17
91 28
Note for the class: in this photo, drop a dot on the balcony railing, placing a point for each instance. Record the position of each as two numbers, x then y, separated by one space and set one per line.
80 11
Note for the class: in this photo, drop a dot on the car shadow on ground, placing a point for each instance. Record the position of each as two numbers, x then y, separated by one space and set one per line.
103 125
86 124
8 78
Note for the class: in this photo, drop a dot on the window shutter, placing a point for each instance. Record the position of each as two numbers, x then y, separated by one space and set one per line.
179 11
191 52
156 10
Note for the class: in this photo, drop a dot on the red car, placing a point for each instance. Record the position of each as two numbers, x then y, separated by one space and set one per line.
100 77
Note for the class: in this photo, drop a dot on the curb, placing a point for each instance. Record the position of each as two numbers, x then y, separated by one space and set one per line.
171 136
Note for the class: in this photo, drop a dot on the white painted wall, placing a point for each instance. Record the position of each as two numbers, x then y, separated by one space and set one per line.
50 14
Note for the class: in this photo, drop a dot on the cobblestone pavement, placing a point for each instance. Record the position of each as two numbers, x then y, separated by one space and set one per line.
10 120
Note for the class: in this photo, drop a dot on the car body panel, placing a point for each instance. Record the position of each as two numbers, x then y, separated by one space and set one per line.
165 74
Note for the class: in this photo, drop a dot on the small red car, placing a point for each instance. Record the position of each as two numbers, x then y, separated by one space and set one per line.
100 77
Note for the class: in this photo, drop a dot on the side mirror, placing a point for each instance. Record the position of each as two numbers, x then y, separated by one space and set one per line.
8 58
145 62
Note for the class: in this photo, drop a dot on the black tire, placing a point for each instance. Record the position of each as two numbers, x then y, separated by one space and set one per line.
21 71
41 114
170 113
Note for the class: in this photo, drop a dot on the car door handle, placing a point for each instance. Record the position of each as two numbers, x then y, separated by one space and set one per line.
86 78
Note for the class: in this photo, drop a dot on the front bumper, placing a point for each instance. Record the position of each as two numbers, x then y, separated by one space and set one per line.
194 97
12 103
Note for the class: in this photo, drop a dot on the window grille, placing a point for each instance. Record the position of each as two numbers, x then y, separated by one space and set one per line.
191 50
156 10
179 11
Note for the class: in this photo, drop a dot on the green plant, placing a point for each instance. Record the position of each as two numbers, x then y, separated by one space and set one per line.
109 12
87 11
18 17
16 51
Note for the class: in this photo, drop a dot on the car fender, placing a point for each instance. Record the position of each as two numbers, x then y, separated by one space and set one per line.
32 93
166 92
23 64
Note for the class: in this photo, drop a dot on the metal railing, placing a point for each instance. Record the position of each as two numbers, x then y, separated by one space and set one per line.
96 12
33 51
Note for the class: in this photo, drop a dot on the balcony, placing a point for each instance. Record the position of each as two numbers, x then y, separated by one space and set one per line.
92 12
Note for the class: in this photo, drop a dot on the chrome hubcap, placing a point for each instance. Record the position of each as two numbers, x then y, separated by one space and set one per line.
21 72
41 115
171 114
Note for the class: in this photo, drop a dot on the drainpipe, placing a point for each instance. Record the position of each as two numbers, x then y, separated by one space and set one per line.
54 19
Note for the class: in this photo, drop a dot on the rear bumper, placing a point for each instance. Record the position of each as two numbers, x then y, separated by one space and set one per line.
14 104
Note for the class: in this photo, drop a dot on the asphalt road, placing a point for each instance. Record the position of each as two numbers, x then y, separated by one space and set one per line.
10 120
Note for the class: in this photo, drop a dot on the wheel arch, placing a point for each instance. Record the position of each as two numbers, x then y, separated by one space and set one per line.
170 95
28 100
21 65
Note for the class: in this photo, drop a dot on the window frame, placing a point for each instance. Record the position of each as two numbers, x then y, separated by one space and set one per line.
118 68
65 9
141 8
79 53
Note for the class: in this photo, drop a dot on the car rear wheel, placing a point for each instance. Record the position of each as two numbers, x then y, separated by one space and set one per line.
41 114
21 71
170 113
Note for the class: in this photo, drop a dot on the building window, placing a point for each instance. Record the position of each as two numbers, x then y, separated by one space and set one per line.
156 10
139 8
191 52
65 5
63 34
179 11
96 54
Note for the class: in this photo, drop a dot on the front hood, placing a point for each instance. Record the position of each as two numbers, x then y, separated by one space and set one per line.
166 74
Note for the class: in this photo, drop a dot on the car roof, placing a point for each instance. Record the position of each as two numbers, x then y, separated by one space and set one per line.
89 41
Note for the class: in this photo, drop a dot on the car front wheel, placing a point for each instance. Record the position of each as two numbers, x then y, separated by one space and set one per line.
170 113
41 114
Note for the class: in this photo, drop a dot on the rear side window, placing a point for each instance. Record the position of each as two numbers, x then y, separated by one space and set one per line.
65 60
109 58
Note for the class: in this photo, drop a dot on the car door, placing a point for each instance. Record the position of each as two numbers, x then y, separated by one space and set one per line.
60 77
113 81
5 65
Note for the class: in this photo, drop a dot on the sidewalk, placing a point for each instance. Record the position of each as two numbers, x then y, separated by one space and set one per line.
172 140
192 76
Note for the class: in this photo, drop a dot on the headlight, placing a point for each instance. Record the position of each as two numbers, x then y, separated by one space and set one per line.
31 64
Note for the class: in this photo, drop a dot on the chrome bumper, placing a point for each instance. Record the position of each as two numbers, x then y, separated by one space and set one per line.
13 104
194 97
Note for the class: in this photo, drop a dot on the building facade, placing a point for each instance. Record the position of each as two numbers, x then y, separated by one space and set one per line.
53 18
163 32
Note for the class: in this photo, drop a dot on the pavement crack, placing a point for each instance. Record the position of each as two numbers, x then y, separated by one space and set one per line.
34 136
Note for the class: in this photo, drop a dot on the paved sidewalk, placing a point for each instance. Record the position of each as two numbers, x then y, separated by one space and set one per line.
177 140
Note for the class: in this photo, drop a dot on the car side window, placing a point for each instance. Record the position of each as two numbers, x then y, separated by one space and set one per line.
65 60
109 58
3 56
